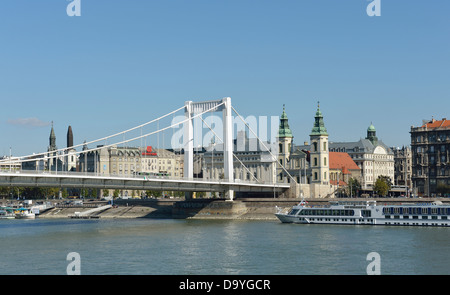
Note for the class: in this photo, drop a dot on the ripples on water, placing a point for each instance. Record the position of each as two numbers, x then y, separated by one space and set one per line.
204 247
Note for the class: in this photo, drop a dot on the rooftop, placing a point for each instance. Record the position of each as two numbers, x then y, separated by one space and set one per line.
444 123
342 161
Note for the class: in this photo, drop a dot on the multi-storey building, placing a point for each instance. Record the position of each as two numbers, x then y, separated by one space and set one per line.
403 167
252 161
372 156
430 146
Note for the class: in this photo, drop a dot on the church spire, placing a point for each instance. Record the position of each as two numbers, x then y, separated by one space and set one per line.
284 130
52 140
319 125
69 137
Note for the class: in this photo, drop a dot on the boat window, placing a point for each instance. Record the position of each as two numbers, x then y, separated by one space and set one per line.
293 212
366 213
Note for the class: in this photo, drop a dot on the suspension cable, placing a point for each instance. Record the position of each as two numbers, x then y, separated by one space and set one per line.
104 138
243 165
121 142
264 145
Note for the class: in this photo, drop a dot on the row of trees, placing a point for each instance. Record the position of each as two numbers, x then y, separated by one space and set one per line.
55 192
382 186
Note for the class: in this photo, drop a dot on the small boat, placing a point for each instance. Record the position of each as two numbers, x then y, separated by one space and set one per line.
7 213
369 213
24 213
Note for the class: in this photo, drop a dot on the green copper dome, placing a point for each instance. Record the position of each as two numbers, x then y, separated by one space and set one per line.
284 130
319 125
371 127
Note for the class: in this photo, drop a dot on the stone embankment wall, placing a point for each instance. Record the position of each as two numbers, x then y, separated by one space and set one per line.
252 209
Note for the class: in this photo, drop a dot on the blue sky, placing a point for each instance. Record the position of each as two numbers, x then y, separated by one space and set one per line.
122 63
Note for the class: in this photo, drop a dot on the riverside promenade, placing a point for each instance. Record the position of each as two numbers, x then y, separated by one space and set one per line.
244 209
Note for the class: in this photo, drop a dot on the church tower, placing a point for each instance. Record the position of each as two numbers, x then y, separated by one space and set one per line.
52 149
70 159
319 155
69 137
372 135
284 144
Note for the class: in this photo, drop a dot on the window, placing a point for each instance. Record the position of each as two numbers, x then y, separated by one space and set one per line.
315 161
315 175
324 146
325 161
315 146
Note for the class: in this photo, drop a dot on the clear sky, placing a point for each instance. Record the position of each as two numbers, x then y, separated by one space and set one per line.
122 63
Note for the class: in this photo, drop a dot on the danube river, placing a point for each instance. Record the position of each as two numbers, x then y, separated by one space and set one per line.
217 247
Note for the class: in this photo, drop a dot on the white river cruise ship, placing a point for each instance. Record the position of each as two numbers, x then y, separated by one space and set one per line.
368 212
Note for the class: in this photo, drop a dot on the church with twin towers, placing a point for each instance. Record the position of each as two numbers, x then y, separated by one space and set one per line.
323 169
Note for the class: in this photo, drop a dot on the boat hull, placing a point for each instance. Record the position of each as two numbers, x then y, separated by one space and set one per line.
360 213
25 216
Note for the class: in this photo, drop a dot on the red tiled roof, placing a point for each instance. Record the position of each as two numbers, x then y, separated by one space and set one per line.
335 182
444 123
342 161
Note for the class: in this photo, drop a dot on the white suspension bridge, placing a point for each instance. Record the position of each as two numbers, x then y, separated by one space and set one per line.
228 185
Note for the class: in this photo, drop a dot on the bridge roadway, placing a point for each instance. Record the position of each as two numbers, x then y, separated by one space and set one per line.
104 181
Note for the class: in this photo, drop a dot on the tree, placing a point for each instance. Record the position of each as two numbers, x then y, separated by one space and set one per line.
4 191
353 187
155 194
382 185
105 192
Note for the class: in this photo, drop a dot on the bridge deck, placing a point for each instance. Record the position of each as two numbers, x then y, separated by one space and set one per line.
92 180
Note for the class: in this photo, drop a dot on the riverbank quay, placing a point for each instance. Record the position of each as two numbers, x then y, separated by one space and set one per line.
245 209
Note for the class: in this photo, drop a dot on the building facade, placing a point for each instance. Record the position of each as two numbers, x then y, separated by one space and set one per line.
372 156
430 147
403 168
252 161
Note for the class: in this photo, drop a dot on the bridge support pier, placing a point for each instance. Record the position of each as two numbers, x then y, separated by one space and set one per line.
191 108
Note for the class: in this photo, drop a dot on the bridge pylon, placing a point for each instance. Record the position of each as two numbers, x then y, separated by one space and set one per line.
192 108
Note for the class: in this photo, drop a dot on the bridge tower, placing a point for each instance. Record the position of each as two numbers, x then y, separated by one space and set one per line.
192 108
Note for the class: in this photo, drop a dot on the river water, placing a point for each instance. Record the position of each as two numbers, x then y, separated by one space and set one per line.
218 247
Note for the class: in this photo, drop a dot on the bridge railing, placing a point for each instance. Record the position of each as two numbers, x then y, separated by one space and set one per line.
130 176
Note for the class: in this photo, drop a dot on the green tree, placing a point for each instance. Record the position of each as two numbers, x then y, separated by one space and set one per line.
353 187
383 185
4 192
200 195
65 193
155 194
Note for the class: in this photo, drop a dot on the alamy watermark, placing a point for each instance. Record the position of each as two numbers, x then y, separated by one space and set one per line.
74 8
374 267
251 133
74 267
374 8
